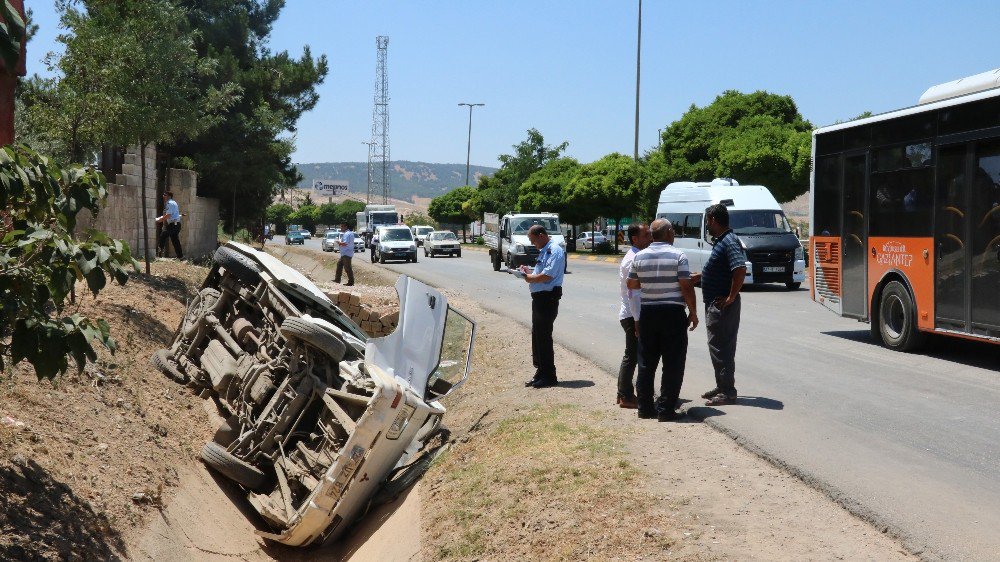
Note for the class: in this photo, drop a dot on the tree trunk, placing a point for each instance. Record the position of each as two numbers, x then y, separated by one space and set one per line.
618 227
142 191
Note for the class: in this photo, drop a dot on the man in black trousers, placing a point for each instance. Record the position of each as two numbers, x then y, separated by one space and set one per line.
545 283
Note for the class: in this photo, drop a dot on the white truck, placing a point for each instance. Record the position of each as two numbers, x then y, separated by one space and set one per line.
507 237
373 217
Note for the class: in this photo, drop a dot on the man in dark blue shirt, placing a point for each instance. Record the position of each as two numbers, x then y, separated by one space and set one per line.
721 280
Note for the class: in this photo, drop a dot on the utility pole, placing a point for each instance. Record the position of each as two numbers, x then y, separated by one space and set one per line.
638 56
371 145
468 147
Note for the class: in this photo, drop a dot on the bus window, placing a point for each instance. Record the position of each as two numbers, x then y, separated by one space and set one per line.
826 203
902 200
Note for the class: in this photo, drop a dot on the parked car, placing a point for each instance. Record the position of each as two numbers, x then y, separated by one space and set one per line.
421 232
587 239
442 242
321 421
331 241
359 243
294 237
395 243
306 234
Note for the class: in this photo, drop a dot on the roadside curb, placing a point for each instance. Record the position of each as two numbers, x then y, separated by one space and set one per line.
597 258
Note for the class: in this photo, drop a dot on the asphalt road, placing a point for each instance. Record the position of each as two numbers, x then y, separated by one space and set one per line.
910 442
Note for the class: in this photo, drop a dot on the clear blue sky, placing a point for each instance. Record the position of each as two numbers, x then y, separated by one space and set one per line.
568 68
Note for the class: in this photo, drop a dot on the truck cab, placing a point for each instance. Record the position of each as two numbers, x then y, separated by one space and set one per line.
507 237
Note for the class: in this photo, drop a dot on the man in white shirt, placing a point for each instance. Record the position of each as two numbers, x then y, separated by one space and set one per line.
346 254
639 237
171 221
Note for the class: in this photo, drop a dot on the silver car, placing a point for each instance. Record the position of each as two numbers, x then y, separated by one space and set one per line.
442 242
331 241
322 421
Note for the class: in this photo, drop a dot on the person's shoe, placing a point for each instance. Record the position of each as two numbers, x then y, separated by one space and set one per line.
349 284
720 400
530 382
545 383
627 402
646 414
670 415
712 393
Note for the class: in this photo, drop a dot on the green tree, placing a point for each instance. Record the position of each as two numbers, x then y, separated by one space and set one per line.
245 158
499 193
307 216
420 219
754 138
42 260
448 208
543 190
280 215
347 211
607 188
328 215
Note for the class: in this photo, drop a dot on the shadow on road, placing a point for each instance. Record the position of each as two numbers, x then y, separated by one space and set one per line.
576 384
966 352
760 402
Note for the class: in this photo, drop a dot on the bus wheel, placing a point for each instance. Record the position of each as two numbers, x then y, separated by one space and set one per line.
897 319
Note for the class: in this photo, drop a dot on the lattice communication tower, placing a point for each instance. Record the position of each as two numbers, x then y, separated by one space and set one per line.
378 150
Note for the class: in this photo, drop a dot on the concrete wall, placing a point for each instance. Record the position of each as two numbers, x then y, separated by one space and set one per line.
121 216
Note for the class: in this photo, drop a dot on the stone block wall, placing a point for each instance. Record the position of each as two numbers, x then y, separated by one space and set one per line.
376 322
121 216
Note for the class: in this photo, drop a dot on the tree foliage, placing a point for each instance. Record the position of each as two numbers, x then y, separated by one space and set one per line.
248 152
499 193
419 219
544 189
758 138
448 208
608 188
42 261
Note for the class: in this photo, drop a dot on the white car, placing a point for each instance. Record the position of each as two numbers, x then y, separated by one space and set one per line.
395 243
322 421
587 239
331 241
421 232
442 242
306 234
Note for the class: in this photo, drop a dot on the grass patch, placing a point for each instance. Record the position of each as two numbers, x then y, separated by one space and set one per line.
550 483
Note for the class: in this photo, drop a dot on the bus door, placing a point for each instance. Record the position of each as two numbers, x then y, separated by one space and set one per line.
854 237
967 238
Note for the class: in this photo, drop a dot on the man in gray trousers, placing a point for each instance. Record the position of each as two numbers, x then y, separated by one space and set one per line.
721 280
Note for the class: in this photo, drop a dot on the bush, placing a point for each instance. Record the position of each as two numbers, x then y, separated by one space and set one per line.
479 240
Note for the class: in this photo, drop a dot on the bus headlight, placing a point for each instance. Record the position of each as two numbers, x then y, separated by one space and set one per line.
799 254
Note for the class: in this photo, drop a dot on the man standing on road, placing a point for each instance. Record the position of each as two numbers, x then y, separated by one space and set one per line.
661 272
639 237
346 244
171 221
721 280
545 282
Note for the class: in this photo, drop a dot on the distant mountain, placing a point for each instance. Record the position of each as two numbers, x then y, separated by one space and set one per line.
409 179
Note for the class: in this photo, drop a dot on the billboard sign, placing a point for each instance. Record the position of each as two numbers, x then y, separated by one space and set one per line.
330 187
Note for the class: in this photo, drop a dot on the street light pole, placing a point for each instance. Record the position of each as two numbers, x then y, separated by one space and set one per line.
468 148
638 55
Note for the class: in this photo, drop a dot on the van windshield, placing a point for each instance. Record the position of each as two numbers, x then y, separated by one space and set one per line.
396 235
758 222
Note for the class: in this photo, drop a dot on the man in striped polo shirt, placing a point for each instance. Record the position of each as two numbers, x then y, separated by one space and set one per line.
662 275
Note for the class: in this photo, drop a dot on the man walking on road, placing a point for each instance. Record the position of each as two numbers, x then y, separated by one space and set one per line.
346 244
545 282
639 237
171 221
721 281
661 272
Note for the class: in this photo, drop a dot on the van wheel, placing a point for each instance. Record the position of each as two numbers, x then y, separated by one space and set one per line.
240 266
312 334
202 303
793 286
222 461
897 319
381 257
162 361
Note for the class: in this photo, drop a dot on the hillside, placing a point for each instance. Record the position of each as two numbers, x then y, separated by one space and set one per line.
409 179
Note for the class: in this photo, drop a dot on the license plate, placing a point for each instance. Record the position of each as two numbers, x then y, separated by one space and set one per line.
773 269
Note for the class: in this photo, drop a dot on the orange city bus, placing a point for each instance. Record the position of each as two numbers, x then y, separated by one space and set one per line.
905 216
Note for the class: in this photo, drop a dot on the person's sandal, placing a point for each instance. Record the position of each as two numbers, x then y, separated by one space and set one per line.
720 400
711 393
629 403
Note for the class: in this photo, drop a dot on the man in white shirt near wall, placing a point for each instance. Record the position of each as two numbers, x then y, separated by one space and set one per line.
639 237
171 221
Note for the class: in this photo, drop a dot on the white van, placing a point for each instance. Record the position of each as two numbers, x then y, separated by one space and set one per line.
774 254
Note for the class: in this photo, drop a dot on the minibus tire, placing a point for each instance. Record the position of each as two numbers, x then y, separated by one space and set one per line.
897 319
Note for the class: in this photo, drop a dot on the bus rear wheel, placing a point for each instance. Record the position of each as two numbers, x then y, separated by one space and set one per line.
897 319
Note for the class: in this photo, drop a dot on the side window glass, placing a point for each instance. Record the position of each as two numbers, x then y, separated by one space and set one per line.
692 226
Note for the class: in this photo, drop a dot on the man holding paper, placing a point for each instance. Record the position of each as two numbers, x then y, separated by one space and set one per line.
545 283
